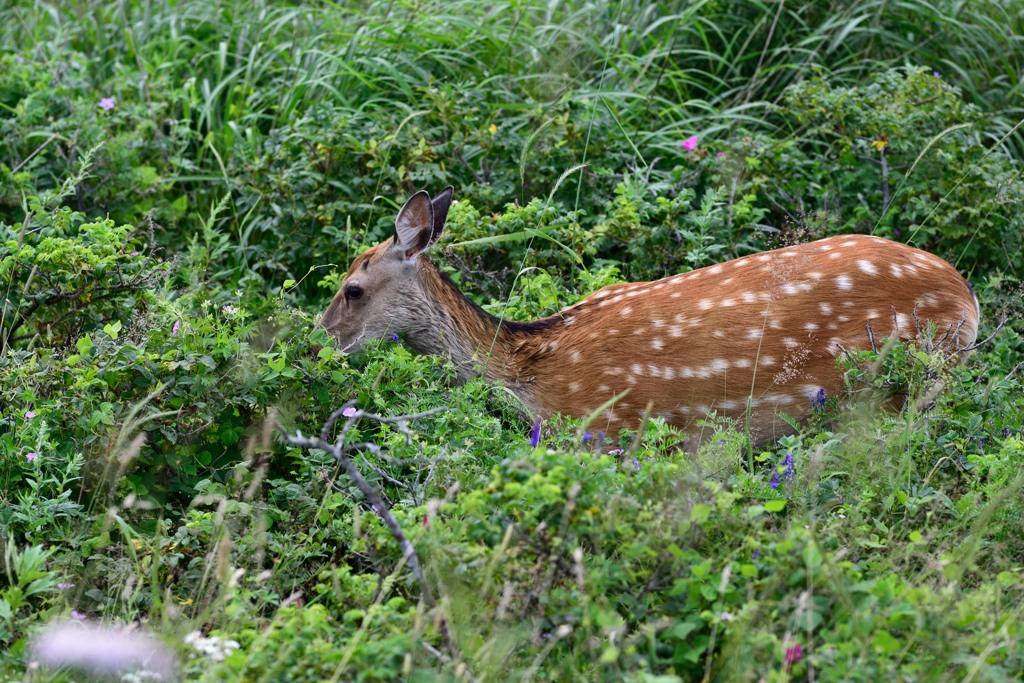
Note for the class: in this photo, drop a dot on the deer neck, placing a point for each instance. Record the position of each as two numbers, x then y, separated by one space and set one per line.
478 343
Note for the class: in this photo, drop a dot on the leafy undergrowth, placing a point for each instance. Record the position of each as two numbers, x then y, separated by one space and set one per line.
182 186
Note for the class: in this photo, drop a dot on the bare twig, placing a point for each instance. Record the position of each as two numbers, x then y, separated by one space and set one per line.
342 453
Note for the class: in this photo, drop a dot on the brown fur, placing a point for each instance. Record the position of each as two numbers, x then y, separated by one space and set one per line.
749 338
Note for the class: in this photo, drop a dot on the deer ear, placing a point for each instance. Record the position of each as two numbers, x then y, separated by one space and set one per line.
441 203
414 226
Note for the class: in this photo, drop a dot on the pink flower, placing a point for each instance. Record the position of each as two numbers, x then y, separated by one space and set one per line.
29 414
107 103
690 143
31 456
75 614
349 412
174 330
794 654
720 154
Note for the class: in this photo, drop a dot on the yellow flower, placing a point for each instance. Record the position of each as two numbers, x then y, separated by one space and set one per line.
493 128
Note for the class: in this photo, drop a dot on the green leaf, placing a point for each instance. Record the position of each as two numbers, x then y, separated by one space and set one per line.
776 505
84 345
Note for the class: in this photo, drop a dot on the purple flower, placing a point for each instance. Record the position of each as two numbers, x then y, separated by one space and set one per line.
818 400
587 436
535 433
174 330
794 654
787 462
349 412
64 586
394 337
31 456
775 480
720 154
756 554
615 451
229 309
21 60
690 143
75 614
29 414
636 464
107 103
936 74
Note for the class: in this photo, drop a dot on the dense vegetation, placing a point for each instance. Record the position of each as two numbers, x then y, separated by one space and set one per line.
182 184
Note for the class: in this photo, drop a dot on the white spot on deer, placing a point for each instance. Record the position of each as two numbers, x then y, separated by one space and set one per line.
825 247
742 363
764 257
675 295
775 324
705 304
552 345
654 371
754 333
604 388
716 270
726 303
684 410
686 373
675 331
719 365
895 269
748 297
780 399
657 323
631 379
657 344
902 321
910 268
728 280
637 369
569 320
872 314
612 332
843 318
616 299
574 356
790 343
658 286
574 387
766 361
626 311
811 327
825 308
867 266
848 243
815 275
718 334
929 299
610 416
844 282
668 373
833 327
602 293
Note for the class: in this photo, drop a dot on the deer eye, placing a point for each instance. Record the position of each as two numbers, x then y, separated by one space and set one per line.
352 292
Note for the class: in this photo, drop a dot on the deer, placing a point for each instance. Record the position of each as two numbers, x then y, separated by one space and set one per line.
748 339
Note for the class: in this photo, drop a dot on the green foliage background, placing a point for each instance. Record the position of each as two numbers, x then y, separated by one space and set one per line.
182 183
